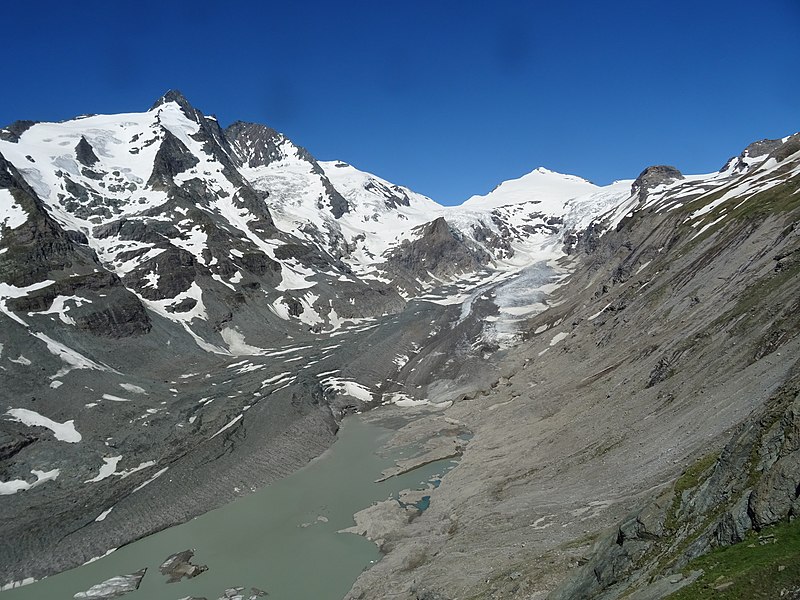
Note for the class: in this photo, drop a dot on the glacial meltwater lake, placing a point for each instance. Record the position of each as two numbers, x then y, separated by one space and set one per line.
282 539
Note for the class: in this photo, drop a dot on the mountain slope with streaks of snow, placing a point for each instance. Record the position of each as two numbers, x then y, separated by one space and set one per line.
213 300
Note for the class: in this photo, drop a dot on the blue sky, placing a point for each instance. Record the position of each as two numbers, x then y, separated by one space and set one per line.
446 97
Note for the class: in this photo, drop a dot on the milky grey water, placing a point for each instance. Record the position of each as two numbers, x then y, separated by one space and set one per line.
281 539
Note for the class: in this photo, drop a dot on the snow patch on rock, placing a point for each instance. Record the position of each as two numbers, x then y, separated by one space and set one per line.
64 432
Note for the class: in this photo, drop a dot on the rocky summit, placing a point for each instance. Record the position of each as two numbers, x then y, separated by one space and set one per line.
189 310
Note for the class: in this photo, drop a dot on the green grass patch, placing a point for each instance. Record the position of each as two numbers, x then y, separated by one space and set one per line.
691 478
694 474
762 566
778 199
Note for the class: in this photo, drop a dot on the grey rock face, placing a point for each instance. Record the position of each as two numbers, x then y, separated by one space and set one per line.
137 230
12 442
172 158
775 496
757 149
787 148
438 251
257 145
663 369
762 147
259 263
85 153
735 523
11 133
654 176
586 241
394 195
500 243
37 247
113 311
176 270
338 204
41 249
718 509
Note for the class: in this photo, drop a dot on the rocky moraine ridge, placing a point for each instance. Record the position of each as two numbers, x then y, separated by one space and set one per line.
188 311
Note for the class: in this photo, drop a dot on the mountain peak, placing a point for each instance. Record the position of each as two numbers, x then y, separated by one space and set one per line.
541 185
556 175
653 176
177 97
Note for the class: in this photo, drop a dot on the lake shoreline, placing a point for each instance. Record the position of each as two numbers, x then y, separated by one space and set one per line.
377 421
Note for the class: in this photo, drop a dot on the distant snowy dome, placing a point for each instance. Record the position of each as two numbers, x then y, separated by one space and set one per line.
542 185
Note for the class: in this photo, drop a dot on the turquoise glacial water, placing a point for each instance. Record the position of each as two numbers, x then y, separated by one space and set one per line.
282 539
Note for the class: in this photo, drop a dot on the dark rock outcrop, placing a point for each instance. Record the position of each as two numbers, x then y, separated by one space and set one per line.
174 269
757 149
40 245
111 310
40 249
173 157
652 177
12 133
338 204
257 145
85 153
178 566
394 194
787 148
437 251
762 147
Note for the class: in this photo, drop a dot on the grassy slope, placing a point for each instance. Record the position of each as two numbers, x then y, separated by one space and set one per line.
765 565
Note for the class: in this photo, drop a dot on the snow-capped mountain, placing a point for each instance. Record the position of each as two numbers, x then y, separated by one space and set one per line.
192 218
548 188
168 286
